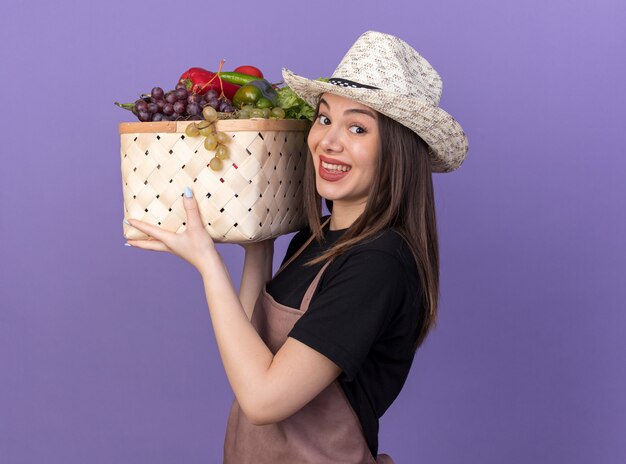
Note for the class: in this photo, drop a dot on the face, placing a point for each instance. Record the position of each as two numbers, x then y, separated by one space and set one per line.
345 144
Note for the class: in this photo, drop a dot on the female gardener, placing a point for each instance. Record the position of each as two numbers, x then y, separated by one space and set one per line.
318 352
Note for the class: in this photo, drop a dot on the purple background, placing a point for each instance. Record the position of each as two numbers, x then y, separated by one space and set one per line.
107 352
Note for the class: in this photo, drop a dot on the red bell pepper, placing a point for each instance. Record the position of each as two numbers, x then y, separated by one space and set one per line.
199 80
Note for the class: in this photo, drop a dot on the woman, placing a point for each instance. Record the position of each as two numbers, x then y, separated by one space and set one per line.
315 357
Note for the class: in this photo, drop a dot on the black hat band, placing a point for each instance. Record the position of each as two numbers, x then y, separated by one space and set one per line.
346 83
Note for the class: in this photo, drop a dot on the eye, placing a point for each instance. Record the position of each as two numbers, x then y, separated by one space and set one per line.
357 129
323 120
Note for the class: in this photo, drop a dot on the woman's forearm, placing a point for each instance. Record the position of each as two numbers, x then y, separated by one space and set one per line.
268 387
257 271
245 356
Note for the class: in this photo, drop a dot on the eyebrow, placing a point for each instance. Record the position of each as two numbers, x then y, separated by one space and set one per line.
352 110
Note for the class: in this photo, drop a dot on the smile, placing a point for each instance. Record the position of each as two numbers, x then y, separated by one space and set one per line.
335 167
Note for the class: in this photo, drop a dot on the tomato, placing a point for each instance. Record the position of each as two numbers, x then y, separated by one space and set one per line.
264 102
249 70
246 95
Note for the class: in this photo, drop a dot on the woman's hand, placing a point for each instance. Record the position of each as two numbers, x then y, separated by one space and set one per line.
194 245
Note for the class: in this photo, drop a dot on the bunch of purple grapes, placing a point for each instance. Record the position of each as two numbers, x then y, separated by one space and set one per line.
178 104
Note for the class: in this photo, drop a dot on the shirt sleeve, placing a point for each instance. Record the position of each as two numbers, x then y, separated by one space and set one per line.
352 307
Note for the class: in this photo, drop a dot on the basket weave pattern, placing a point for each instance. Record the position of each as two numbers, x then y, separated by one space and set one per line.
256 195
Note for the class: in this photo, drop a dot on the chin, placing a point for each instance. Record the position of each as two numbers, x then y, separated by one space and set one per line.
328 192
343 195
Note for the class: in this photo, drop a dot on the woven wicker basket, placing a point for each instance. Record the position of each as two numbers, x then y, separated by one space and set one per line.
256 195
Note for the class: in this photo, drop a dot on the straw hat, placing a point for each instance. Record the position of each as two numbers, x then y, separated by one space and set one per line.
388 75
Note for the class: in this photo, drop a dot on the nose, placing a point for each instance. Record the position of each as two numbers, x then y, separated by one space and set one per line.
330 141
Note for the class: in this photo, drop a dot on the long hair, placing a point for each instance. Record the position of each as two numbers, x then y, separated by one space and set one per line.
401 198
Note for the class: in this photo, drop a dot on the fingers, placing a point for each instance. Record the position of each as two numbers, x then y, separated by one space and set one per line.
148 229
191 209
152 245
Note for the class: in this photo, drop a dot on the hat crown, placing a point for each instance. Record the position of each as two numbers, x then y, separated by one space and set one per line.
389 63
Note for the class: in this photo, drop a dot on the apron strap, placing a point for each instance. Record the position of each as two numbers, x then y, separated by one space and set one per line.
302 248
308 296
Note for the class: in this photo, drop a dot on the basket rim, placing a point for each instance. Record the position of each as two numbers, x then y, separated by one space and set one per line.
224 125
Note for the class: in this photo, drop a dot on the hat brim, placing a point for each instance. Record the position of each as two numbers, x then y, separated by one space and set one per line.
443 134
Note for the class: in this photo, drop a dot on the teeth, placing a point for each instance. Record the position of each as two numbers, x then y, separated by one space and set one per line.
335 167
